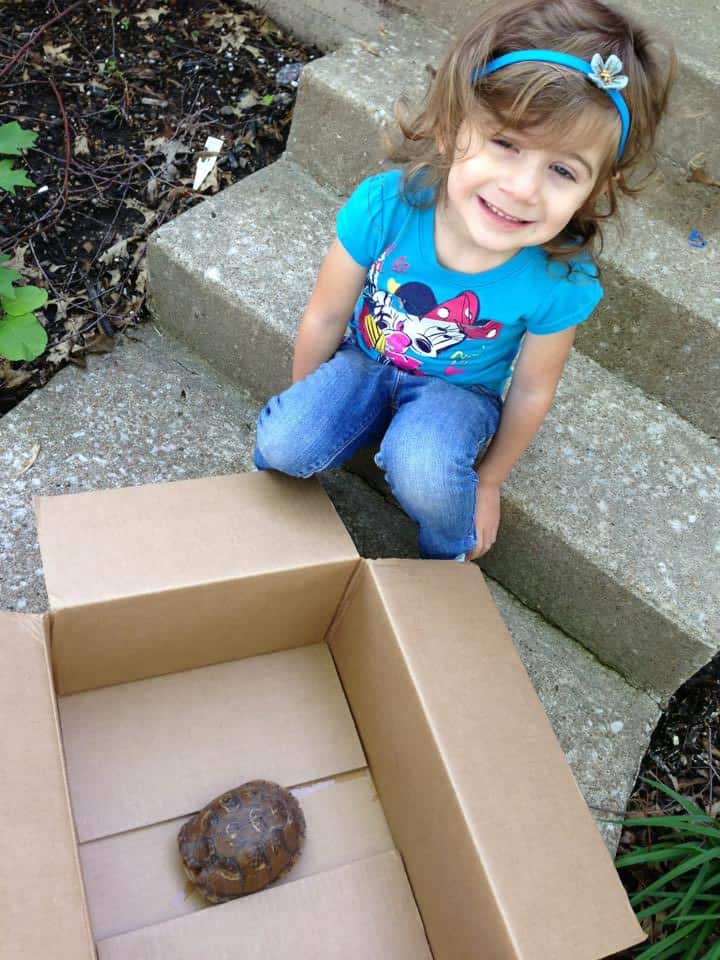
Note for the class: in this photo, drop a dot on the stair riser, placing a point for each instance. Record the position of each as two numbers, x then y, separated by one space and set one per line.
658 345
538 567
242 347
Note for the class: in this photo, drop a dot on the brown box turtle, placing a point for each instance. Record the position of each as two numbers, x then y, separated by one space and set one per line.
242 841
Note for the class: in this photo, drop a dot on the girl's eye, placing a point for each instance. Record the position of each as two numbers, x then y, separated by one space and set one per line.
505 144
563 171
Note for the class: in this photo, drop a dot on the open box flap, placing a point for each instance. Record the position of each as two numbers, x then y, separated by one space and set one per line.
109 544
361 911
444 708
167 577
41 892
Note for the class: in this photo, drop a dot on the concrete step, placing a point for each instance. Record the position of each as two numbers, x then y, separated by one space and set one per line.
610 519
151 412
659 325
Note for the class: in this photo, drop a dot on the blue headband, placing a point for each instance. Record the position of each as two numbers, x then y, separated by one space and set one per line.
604 73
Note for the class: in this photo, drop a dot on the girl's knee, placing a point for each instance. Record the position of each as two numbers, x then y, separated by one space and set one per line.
419 483
278 443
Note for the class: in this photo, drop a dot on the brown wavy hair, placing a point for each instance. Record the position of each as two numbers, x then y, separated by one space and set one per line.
528 97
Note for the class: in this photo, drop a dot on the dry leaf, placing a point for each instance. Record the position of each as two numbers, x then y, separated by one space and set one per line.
18 259
233 21
56 54
61 308
696 172
372 48
148 214
152 15
33 457
15 379
59 352
100 344
118 249
141 280
235 40
82 147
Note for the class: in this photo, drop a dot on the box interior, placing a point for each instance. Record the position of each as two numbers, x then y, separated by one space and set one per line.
142 756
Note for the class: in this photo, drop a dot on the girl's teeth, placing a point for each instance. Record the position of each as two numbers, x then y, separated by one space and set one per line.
505 216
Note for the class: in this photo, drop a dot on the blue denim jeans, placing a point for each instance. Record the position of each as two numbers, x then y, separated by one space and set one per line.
430 431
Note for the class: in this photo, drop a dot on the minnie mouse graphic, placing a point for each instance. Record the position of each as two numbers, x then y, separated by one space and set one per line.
405 322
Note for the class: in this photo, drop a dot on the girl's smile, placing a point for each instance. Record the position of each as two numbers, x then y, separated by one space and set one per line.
511 191
501 217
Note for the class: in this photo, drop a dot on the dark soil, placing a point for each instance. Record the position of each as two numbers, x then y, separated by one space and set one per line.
122 96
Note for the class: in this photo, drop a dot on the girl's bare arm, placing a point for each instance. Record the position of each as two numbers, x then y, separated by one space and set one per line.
336 290
536 376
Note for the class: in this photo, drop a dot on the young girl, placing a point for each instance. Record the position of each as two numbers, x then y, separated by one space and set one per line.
471 264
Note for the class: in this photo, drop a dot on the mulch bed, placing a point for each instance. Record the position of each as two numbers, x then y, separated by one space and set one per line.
123 96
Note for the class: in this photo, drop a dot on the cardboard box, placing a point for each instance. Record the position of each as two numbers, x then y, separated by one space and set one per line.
208 632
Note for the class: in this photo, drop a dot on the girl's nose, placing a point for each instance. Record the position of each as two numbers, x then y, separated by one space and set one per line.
523 180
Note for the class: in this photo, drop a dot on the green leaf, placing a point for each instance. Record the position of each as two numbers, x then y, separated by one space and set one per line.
7 278
11 178
713 953
22 338
657 907
693 916
686 804
26 300
692 864
682 826
694 888
267 99
702 934
13 139
653 855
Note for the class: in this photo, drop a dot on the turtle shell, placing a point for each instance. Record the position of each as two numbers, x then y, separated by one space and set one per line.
242 841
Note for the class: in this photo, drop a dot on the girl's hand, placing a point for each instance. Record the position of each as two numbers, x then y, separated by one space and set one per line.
487 519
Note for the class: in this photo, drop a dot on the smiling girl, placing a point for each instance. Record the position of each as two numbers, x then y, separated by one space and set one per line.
471 265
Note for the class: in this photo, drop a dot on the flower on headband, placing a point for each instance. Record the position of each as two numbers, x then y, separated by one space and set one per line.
606 73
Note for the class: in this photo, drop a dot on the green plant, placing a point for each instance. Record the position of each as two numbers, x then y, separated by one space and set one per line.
685 899
22 336
110 68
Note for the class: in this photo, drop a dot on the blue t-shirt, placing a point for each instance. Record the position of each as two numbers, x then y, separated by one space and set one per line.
463 327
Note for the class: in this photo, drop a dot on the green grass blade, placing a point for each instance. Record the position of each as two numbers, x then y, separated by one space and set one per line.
656 907
687 901
653 855
669 946
693 916
692 864
713 953
702 934
714 882
686 804
680 825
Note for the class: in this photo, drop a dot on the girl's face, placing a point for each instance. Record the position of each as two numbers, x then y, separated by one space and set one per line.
510 190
